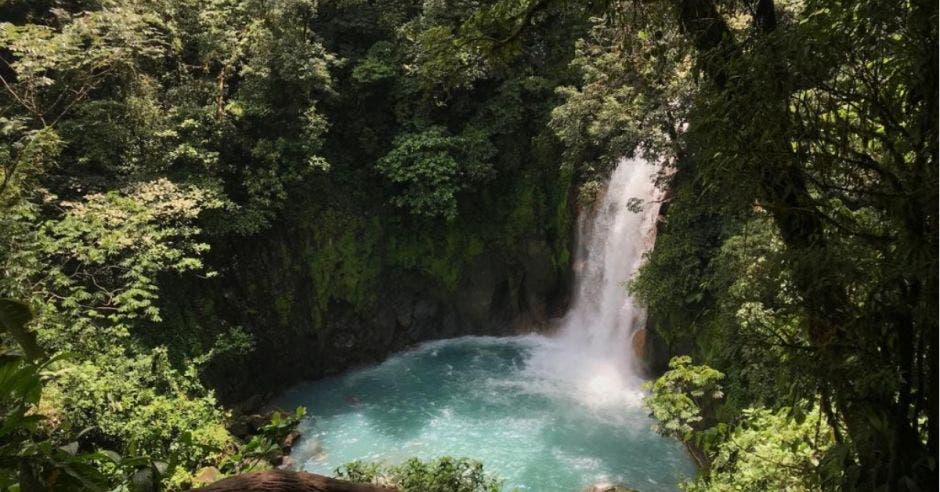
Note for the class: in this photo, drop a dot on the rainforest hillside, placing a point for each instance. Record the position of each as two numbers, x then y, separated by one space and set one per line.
205 202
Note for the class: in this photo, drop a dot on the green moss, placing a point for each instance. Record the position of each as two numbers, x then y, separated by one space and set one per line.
442 256
563 218
522 221
282 305
343 259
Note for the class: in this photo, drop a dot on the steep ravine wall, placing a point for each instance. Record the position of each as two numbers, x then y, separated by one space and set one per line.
325 291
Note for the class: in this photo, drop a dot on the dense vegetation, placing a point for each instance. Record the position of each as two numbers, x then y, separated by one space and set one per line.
167 167
799 251
441 475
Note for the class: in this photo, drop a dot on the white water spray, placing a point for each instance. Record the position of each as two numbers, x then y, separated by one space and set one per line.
592 357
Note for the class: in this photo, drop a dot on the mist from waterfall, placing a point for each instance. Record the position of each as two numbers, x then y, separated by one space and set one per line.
592 357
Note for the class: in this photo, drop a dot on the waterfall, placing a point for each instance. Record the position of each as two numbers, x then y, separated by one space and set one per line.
592 355
545 412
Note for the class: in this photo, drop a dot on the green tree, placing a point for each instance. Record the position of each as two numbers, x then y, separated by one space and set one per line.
769 451
683 401
433 167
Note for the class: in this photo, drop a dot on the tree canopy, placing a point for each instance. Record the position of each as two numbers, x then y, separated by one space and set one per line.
166 162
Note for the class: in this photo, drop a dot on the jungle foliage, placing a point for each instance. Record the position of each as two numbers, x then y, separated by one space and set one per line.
798 249
796 263
141 140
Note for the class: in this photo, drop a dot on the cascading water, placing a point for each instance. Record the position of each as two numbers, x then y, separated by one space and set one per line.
593 353
545 413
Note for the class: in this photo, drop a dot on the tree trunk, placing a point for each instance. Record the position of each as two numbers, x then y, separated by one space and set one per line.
288 481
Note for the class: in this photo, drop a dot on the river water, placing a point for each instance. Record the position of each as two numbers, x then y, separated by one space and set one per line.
544 413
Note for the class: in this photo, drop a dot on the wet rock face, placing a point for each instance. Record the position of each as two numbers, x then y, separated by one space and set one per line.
651 352
296 338
639 343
